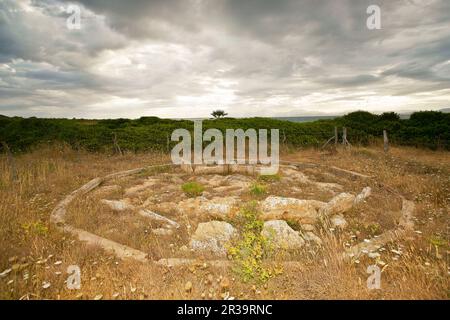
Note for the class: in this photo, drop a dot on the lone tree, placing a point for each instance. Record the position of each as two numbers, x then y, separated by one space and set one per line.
219 114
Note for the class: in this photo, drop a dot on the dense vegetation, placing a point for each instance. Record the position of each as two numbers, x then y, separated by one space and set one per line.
423 129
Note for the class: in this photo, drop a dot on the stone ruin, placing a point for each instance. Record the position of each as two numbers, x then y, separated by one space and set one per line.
202 223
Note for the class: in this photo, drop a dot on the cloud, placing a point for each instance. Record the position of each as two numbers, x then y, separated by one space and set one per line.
181 58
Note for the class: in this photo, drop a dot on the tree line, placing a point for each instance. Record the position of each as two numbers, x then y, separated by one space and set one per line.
427 129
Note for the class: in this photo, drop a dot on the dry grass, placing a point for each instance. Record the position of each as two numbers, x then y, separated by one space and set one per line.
31 245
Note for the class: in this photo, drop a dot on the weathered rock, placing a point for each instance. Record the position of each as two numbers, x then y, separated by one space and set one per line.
406 220
365 193
118 205
212 237
190 206
338 221
281 235
294 175
303 211
339 204
162 232
311 237
157 217
218 207
328 186
235 190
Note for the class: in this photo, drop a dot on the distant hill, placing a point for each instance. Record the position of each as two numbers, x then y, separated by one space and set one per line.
445 110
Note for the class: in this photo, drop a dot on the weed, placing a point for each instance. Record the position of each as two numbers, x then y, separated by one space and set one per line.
258 189
192 189
251 248
438 241
37 228
374 229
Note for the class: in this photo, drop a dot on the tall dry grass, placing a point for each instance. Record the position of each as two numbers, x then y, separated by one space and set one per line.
39 254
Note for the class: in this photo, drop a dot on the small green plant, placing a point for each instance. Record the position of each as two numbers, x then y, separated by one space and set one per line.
249 251
374 229
438 241
258 189
37 228
192 189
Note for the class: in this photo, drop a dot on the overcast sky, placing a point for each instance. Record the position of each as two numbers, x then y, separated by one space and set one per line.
184 58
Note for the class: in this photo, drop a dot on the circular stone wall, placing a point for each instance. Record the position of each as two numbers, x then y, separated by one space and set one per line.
184 212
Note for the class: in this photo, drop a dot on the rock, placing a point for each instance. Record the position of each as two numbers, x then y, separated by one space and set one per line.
303 211
365 193
212 236
338 221
294 175
162 232
235 190
156 217
406 221
309 236
218 207
339 204
328 186
281 235
117 205
188 286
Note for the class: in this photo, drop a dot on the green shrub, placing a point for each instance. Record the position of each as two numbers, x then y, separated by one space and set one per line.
192 189
250 250
258 189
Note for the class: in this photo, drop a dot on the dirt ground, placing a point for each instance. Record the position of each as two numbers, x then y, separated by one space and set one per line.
37 254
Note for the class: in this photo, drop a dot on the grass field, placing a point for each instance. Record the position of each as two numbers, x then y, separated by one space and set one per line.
38 254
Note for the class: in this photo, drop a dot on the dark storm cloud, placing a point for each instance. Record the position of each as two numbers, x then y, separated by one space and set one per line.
176 57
